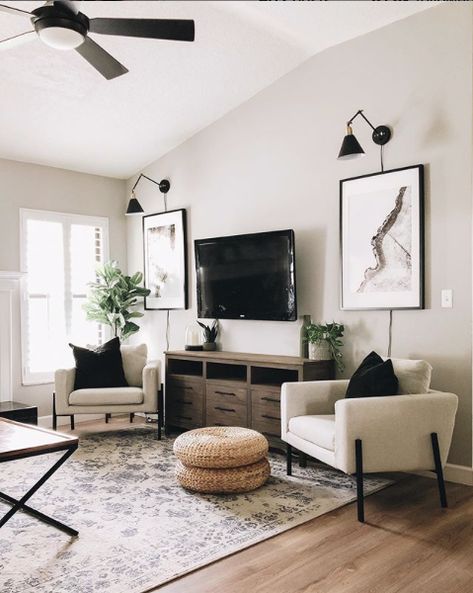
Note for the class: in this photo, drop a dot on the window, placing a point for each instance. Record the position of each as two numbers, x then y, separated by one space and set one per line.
59 253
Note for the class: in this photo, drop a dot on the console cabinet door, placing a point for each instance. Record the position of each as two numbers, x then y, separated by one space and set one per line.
266 410
185 403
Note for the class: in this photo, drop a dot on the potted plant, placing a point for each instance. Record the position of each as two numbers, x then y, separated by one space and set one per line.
113 297
325 342
210 335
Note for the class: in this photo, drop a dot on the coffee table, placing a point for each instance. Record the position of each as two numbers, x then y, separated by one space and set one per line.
19 441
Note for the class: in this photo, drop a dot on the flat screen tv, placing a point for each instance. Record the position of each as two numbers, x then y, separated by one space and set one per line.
247 276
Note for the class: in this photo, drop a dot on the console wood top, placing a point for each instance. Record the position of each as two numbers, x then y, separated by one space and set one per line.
243 357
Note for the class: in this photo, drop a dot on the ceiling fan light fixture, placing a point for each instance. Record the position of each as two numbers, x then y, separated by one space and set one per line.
61 38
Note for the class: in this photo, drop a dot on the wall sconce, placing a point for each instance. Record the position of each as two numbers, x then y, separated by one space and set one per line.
351 148
134 207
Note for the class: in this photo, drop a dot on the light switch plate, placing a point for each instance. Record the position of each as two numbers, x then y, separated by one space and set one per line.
447 298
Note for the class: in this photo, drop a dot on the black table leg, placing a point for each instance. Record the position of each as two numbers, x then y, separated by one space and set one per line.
21 504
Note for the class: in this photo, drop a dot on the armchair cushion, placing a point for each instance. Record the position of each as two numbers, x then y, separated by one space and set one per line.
106 396
413 375
319 430
101 367
374 377
134 360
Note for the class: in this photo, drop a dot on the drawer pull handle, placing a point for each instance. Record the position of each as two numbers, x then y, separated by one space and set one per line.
226 393
224 409
270 399
270 417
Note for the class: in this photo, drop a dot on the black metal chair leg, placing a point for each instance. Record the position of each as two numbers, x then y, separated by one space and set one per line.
72 421
359 480
439 470
302 459
107 418
54 412
159 426
132 416
289 460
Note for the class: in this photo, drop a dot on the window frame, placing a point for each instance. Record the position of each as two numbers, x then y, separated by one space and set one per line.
67 220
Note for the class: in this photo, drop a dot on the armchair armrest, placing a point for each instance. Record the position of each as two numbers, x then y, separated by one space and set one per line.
395 431
63 386
309 397
151 382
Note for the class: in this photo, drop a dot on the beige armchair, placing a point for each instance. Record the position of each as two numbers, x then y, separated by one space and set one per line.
402 433
142 395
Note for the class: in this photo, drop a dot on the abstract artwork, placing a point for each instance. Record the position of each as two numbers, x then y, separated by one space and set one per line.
164 241
381 226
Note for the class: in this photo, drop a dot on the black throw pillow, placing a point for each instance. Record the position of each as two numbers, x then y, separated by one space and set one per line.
373 377
102 367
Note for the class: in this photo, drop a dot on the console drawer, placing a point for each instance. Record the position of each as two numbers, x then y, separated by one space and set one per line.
184 414
225 394
266 398
266 426
233 414
188 387
266 411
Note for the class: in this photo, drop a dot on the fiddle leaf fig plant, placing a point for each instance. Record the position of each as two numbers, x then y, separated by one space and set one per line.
112 298
330 333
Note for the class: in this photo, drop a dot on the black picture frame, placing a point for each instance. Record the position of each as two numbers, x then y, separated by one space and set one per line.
397 279
162 256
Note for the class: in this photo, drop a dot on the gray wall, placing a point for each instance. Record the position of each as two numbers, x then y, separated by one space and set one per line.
271 163
46 188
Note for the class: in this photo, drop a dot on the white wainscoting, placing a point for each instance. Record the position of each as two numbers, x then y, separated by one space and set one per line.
9 298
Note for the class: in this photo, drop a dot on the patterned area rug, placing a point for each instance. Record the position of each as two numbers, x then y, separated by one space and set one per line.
138 528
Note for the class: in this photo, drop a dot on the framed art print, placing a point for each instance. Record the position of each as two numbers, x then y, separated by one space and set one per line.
382 240
165 262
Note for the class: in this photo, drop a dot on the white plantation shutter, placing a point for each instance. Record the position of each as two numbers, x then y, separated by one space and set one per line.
59 253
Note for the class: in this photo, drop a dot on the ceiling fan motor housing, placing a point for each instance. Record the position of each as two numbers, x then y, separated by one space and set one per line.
59 28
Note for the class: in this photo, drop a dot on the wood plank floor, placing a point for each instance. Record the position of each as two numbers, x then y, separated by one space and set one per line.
408 545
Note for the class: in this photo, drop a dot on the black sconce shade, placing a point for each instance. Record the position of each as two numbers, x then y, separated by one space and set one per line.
351 148
134 207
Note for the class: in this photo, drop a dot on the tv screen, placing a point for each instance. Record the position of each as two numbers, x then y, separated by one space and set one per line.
247 276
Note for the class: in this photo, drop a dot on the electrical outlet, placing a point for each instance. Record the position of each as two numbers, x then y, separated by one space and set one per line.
447 298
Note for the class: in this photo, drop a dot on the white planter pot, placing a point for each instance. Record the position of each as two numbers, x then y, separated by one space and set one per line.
320 351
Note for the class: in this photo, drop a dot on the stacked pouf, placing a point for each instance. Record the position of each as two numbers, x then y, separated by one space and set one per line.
221 459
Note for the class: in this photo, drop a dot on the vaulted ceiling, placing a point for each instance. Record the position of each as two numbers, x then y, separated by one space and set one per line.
56 110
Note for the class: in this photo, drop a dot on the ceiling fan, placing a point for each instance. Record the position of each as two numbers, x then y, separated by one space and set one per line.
60 25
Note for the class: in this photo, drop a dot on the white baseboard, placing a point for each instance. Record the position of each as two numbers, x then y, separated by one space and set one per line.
460 474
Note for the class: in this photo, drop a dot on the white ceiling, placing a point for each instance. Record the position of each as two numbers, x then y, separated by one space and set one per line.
56 110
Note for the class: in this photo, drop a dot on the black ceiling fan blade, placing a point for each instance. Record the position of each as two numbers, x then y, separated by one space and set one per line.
12 10
174 29
17 40
100 59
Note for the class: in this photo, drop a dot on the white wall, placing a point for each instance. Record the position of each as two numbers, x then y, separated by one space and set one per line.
271 164
45 188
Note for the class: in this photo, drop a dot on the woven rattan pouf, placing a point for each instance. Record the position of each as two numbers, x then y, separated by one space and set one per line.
221 459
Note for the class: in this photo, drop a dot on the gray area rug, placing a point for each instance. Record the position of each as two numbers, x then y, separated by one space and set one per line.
138 528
